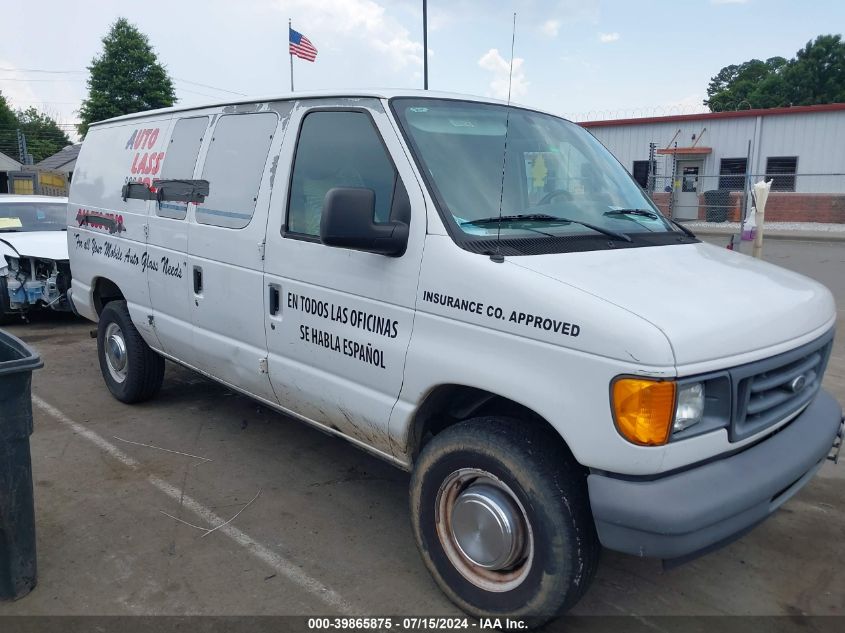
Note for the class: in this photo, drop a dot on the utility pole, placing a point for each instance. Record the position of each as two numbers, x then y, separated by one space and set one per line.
425 44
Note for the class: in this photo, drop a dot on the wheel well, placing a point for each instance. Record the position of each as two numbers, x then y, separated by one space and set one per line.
105 290
447 405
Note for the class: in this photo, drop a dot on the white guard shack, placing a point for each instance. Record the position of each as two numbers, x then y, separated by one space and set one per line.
679 158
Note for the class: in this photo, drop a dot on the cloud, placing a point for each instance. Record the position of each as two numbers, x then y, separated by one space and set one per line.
16 89
365 20
493 62
573 11
57 99
546 16
550 28
606 38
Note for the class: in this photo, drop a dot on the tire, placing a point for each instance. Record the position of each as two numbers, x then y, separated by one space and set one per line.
133 372
7 317
548 496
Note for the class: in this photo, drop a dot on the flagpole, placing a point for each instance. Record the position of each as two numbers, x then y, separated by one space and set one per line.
291 56
425 45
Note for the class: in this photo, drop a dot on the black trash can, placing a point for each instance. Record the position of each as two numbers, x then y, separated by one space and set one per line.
717 203
17 512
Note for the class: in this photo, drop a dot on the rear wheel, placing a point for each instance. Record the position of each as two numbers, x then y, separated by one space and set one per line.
502 520
133 372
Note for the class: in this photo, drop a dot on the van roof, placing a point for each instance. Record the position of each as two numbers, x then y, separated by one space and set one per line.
319 94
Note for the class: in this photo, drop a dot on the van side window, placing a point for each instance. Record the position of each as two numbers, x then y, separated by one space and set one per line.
233 168
337 149
181 159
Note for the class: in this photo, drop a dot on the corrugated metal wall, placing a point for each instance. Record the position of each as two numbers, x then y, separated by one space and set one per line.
817 139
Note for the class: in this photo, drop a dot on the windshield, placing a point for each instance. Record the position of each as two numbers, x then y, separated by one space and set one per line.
32 216
555 173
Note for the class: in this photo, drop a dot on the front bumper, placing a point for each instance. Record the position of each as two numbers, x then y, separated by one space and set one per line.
696 510
70 302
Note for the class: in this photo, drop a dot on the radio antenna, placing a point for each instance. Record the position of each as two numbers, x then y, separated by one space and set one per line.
497 256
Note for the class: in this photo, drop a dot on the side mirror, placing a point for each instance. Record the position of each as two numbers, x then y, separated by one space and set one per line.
347 222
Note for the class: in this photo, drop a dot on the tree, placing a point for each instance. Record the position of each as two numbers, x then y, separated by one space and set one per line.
43 135
736 85
127 77
8 127
815 75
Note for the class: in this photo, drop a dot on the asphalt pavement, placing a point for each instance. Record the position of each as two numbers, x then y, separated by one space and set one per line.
128 499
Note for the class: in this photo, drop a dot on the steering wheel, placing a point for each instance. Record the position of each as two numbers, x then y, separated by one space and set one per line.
547 199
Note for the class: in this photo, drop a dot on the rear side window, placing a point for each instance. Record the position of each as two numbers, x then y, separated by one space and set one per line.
233 168
337 149
181 159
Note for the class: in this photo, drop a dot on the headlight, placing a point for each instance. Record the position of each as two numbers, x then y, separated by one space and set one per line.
643 409
648 412
690 409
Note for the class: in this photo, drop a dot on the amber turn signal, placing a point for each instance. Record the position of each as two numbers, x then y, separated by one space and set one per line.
643 409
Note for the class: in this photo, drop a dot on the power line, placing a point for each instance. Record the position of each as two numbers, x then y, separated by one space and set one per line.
2 79
195 83
42 102
10 130
76 72
41 70
23 124
194 92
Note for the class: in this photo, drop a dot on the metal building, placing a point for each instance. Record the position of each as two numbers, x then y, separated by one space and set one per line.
686 160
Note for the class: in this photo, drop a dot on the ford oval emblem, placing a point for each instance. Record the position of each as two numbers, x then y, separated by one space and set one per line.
798 383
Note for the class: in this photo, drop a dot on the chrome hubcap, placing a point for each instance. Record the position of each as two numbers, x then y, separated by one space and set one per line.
486 526
115 348
484 530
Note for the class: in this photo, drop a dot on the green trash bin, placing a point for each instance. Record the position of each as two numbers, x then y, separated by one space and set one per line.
18 572
717 203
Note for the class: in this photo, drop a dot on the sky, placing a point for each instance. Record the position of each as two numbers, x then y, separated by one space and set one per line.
584 59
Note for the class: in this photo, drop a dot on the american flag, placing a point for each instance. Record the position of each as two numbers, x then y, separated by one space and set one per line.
301 46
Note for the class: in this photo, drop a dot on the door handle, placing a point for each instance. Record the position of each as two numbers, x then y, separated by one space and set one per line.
197 280
274 302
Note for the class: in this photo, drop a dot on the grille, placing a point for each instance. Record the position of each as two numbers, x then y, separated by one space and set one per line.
770 390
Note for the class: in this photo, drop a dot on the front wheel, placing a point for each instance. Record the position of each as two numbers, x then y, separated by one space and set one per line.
132 371
502 519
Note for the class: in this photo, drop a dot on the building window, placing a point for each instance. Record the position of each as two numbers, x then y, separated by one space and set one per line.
781 170
732 173
641 172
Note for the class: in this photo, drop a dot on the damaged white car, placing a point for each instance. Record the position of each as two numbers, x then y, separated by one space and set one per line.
34 268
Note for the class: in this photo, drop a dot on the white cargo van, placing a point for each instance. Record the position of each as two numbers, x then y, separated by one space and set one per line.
559 365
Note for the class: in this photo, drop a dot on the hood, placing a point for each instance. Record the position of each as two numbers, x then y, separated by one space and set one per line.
41 244
710 302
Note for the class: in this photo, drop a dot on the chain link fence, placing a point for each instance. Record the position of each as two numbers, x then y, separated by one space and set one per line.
687 195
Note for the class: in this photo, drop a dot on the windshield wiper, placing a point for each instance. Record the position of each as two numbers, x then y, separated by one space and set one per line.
539 217
684 229
646 213
641 212
10 230
543 217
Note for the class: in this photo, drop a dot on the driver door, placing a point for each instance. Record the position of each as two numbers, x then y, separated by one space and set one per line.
338 321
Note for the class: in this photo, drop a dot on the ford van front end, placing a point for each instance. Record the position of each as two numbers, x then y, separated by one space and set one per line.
780 426
715 415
